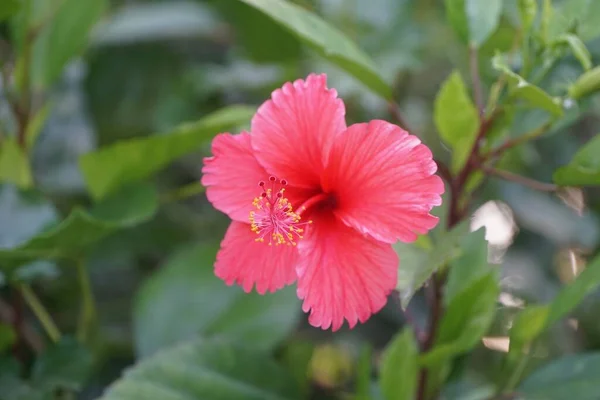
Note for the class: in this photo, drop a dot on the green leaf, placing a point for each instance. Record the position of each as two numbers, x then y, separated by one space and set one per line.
400 367
578 48
571 377
14 164
588 83
132 160
483 18
7 337
328 41
418 264
34 127
533 320
66 365
465 321
8 8
364 371
456 118
207 370
63 36
80 230
527 12
580 16
457 16
470 266
162 307
522 89
296 357
584 168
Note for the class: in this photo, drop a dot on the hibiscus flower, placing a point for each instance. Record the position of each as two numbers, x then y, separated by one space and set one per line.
316 202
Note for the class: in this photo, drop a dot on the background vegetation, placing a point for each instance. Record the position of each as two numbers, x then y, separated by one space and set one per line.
107 242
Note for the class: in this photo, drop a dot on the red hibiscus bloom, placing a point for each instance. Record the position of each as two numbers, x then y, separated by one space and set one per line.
315 201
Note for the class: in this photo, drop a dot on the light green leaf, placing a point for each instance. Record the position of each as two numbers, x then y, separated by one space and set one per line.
74 235
66 365
578 48
8 8
527 12
580 16
207 370
456 118
14 164
522 89
400 367
588 83
470 266
63 36
465 321
571 377
417 264
162 307
328 41
483 18
132 160
584 168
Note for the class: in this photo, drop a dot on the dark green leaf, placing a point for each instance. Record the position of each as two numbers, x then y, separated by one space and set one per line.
570 377
584 168
400 367
207 370
327 40
578 48
364 373
63 36
14 164
8 8
7 337
65 365
483 18
297 356
457 16
74 235
111 167
162 313
456 118
522 89
466 320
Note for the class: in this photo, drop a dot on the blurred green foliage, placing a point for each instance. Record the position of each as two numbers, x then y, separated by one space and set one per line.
107 243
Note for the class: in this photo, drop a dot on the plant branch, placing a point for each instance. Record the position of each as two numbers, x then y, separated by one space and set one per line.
88 309
509 144
183 192
509 176
40 312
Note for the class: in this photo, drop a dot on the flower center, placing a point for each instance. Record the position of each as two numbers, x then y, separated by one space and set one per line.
274 220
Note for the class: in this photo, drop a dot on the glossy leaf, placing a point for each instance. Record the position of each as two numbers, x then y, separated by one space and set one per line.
483 18
466 319
162 307
456 118
66 365
400 367
584 168
63 37
207 370
522 89
132 160
571 377
14 164
76 233
578 48
327 40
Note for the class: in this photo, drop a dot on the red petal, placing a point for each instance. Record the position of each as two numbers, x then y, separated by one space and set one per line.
384 182
343 275
245 262
293 131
